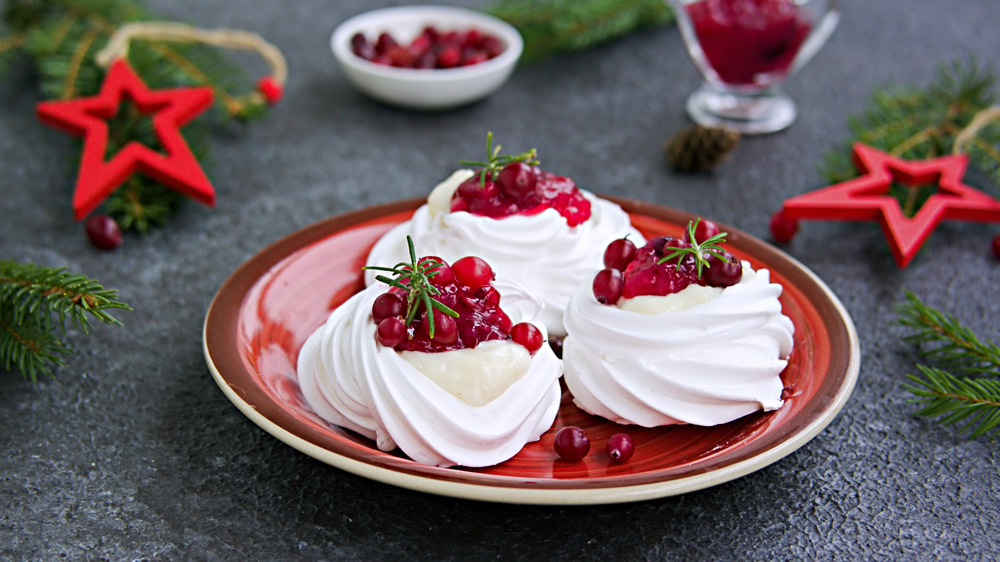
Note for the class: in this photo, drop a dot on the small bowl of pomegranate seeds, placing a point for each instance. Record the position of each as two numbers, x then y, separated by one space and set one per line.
426 57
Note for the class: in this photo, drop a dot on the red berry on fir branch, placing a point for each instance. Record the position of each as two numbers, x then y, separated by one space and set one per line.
271 90
103 232
783 228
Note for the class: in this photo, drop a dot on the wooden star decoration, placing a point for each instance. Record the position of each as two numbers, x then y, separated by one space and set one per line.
88 117
867 198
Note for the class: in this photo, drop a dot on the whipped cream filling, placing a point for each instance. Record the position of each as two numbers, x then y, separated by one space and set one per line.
539 251
350 380
706 364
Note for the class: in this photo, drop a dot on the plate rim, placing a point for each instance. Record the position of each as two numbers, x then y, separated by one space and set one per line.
284 247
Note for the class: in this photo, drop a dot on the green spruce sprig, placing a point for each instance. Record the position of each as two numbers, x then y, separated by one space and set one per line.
415 278
37 304
700 250
496 161
973 398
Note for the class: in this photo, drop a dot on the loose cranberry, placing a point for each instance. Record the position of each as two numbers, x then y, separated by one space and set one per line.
391 331
388 305
608 285
472 271
783 228
572 443
449 57
361 47
384 43
527 335
516 180
619 447
723 273
702 231
996 246
619 254
103 232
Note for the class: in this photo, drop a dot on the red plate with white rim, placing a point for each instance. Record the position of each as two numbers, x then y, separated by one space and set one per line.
263 313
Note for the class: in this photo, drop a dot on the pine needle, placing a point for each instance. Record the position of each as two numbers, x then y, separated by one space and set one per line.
973 400
37 304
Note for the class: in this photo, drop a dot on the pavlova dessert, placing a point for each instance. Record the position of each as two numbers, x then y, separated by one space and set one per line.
534 227
442 363
677 331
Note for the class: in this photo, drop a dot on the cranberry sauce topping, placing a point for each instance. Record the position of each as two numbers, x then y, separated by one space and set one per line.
520 189
465 288
743 39
433 48
644 276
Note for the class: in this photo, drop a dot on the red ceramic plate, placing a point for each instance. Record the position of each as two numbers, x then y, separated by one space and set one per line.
266 309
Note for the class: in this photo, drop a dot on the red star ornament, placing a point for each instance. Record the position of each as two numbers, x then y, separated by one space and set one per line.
87 117
866 198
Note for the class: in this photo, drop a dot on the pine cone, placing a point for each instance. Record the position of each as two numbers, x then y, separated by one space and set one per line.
700 148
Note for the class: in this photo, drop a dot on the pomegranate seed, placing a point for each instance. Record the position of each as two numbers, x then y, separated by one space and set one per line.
391 331
619 254
527 335
472 271
619 447
388 305
572 443
608 285
783 228
103 232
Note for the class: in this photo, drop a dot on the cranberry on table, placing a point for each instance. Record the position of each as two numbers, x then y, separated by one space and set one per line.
103 232
619 447
572 443
783 228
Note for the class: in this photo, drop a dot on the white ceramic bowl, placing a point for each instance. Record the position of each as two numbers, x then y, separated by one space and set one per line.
429 89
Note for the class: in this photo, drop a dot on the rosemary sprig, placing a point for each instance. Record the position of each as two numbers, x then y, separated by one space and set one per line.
700 250
496 161
975 398
415 278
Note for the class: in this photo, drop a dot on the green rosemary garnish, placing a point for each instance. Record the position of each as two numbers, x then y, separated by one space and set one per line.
496 161
415 279
700 250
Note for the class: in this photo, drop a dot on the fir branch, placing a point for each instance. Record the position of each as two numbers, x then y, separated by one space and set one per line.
974 401
557 26
919 124
945 342
36 302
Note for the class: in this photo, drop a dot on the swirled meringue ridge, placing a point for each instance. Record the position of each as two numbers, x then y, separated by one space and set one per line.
706 365
540 251
351 381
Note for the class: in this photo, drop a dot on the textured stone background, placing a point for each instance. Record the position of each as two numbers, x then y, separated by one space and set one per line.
133 452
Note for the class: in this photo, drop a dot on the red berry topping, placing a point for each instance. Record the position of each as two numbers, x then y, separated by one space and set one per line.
388 305
514 185
527 335
783 228
464 306
619 447
619 254
723 272
572 443
430 49
103 232
608 285
472 271
391 331
702 231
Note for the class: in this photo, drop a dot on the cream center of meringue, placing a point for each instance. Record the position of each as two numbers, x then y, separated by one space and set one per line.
439 200
689 297
475 376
